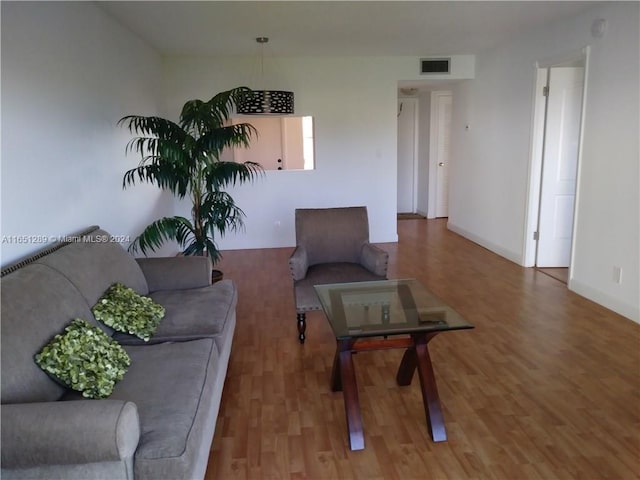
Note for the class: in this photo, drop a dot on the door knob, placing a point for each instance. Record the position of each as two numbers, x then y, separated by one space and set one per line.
441 164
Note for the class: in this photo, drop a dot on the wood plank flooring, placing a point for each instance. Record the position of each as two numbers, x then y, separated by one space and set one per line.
561 274
547 386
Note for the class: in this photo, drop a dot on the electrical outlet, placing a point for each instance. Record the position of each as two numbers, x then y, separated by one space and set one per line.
617 275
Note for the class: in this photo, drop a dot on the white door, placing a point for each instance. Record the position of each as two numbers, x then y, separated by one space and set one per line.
559 167
443 149
407 131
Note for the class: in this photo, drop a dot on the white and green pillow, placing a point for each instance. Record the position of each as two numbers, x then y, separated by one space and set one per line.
124 310
85 359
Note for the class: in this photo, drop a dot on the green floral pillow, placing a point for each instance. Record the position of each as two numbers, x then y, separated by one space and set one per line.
126 311
84 359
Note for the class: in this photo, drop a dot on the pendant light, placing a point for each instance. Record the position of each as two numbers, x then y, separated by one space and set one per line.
266 102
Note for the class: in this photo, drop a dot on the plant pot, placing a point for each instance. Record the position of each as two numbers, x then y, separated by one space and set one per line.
216 275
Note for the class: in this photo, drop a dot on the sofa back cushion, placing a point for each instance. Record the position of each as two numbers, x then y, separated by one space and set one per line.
94 263
37 303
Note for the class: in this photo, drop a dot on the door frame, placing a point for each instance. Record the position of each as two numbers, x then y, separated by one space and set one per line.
416 137
538 123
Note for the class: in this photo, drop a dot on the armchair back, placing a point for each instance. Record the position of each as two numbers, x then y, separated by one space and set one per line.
332 235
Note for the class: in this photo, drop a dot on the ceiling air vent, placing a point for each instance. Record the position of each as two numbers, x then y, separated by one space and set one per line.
435 65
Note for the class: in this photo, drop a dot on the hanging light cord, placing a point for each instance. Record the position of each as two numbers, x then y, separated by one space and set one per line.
262 41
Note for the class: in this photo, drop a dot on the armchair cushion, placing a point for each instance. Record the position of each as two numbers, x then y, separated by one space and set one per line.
305 294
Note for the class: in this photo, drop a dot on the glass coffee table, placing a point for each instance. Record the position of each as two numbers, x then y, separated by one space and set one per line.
380 315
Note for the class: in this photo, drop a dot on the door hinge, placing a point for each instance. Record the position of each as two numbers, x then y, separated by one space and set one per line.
536 236
545 91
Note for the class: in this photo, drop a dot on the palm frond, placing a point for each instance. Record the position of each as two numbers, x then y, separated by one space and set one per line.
165 150
223 174
212 250
220 212
202 116
153 126
215 141
195 247
156 234
167 176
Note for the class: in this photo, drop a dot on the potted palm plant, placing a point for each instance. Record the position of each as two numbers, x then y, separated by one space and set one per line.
184 158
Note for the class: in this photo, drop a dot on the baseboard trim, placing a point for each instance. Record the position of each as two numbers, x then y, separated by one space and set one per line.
509 255
632 312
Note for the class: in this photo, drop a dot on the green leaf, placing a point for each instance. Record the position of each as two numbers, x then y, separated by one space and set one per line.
176 228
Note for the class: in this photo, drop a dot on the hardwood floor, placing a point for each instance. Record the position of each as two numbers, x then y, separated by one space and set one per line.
547 386
560 274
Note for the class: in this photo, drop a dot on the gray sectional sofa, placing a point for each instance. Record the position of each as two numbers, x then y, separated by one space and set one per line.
160 419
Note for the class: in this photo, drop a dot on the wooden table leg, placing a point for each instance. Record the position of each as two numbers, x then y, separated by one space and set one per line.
407 367
430 397
343 363
336 381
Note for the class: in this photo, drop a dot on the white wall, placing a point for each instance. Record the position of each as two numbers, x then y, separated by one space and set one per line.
353 102
69 73
489 175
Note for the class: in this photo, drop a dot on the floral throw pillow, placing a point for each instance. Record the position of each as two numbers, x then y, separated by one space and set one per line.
85 359
124 310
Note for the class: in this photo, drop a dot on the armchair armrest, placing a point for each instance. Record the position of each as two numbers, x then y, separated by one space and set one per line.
374 259
64 433
298 263
176 273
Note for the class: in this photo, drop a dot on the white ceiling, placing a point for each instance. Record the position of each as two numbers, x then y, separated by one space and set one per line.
334 28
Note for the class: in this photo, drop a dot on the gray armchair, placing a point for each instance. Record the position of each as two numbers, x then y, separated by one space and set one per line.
332 246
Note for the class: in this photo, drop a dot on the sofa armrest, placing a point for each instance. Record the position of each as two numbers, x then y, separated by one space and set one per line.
64 433
298 263
374 259
176 273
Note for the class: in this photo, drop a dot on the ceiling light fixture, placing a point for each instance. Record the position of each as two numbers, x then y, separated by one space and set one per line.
266 102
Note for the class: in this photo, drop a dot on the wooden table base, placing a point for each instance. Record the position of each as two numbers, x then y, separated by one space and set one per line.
416 356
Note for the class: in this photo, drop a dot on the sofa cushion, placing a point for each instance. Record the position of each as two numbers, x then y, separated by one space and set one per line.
171 384
191 314
124 310
84 359
94 263
37 303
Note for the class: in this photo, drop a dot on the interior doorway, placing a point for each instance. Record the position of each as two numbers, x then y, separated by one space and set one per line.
555 159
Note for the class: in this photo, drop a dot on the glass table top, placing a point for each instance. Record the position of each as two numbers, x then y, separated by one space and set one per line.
388 307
